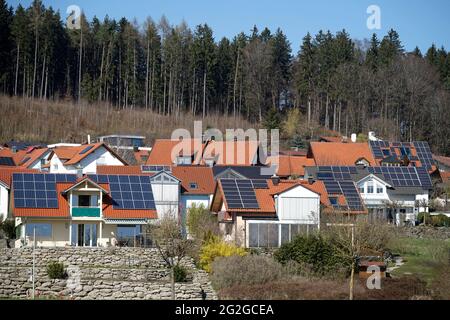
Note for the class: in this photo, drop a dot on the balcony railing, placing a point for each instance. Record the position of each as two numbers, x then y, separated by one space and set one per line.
92 212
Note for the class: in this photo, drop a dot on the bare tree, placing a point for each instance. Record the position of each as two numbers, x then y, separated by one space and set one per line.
168 239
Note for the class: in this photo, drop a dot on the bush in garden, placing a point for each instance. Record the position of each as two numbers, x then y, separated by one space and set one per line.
55 270
323 256
180 273
217 248
440 220
244 270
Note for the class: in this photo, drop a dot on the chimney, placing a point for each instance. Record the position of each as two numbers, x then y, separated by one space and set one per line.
275 180
353 137
89 139
310 180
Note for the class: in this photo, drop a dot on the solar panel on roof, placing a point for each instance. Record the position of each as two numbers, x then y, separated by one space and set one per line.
348 189
34 190
131 192
424 154
240 193
335 172
152 168
86 149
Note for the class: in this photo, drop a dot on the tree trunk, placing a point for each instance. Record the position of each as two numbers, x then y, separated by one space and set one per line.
17 69
235 86
36 43
79 67
147 74
204 93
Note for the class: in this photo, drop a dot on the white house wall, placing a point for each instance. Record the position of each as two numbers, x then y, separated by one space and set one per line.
298 204
4 202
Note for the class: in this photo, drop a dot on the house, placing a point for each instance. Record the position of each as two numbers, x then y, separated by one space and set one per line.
416 154
197 188
82 159
123 141
265 213
168 152
232 153
131 148
443 162
92 210
290 166
6 173
165 186
32 157
242 172
341 153
395 194
211 153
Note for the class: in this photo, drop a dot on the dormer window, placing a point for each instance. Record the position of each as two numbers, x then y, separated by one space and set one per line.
193 185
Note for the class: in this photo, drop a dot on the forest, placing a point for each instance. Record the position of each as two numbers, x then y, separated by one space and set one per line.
331 81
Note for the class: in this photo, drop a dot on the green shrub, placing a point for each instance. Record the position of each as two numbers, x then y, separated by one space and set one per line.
9 228
421 215
55 270
180 273
244 270
321 255
440 220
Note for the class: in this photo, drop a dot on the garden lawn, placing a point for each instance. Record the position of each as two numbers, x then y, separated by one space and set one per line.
421 257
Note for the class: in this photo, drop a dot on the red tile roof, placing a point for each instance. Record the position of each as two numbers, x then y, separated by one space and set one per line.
126 170
340 153
229 153
292 165
6 173
161 153
202 176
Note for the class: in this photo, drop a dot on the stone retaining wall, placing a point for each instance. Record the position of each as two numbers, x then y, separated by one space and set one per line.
99 273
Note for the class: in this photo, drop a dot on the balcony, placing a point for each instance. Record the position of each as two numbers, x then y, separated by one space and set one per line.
91 212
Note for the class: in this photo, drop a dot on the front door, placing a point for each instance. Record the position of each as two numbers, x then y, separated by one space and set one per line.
84 235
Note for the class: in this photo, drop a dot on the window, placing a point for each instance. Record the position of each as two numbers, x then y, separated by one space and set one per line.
193 185
370 188
128 234
43 230
379 189
361 189
84 200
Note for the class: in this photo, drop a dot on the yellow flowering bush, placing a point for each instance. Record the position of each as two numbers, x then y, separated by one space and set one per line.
217 248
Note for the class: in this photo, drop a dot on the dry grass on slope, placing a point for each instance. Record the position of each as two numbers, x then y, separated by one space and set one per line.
49 121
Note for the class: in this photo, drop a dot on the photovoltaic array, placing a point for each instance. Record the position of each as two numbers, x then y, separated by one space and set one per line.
147 168
404 176
348 189
424 154
128 191
335 172
34 190
240 193
383 149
